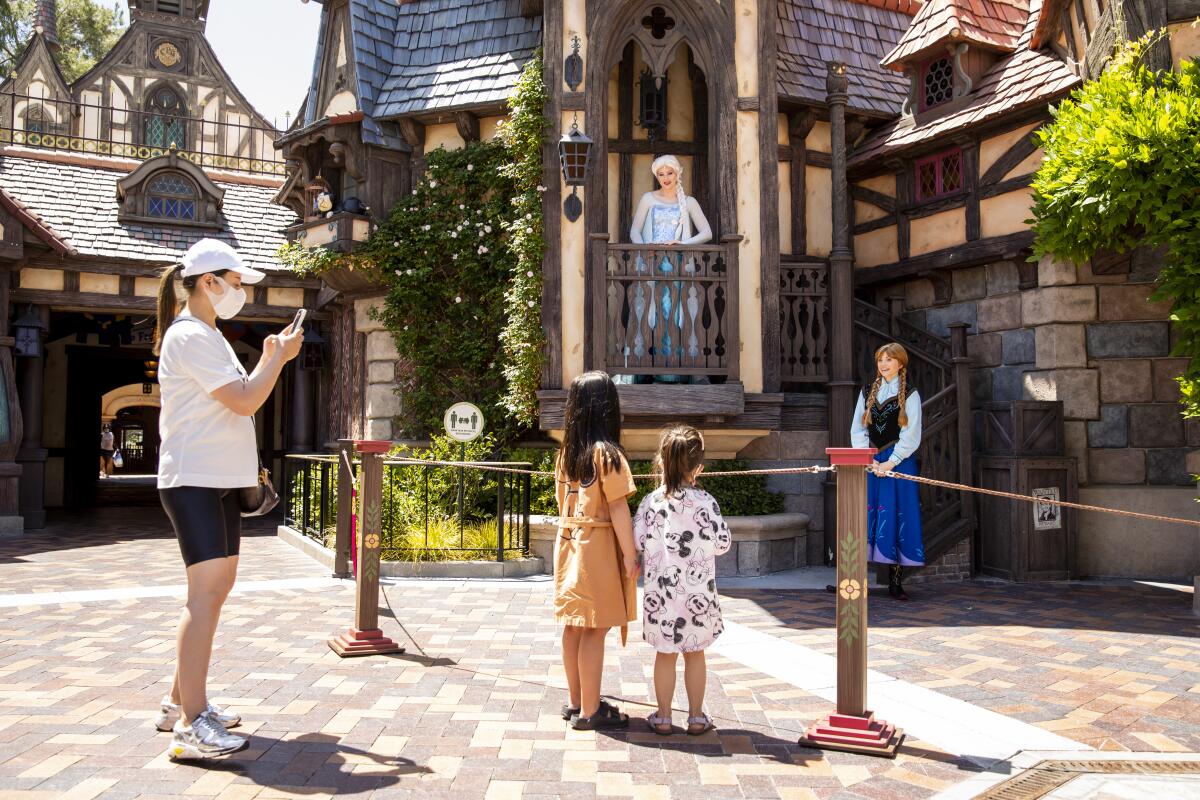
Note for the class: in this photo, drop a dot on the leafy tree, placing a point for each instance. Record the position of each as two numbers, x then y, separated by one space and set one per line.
87 29
1121 170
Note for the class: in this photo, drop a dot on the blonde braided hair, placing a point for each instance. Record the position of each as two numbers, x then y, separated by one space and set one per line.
896 351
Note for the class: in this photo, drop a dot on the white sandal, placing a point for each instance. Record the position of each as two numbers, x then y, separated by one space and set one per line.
705 720
656 722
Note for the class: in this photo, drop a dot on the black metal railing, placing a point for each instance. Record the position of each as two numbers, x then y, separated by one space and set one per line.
479 511
309 498
86 128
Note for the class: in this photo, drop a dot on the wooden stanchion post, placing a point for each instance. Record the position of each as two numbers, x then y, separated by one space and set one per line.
366 638
852 728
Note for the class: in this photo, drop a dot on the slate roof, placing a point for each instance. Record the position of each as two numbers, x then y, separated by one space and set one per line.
992 24
814 32
85 218
456 53
1025 78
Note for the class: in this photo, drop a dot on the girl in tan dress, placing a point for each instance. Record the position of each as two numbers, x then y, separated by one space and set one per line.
595 562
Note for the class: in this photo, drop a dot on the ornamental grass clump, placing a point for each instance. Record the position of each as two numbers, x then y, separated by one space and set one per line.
1121 169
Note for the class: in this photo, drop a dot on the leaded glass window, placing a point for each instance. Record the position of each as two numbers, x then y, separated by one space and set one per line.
171 196
165 126
938 83
940 175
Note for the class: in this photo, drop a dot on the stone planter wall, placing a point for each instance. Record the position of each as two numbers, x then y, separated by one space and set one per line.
761 545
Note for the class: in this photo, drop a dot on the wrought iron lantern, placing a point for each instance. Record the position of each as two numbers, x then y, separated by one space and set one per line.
28 331
652 103
574 155
573 66
312 352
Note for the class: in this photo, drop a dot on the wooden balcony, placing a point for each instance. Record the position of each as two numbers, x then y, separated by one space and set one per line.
665 310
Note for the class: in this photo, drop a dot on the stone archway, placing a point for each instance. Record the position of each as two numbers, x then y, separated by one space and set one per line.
128 396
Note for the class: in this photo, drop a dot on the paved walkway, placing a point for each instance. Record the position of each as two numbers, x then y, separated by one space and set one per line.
87 615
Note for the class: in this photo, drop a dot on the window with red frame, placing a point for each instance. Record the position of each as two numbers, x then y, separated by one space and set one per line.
939 175
937 82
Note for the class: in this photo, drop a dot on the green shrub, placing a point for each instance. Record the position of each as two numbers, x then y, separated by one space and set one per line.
737 495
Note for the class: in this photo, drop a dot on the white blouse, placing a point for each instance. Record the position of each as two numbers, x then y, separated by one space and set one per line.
910 434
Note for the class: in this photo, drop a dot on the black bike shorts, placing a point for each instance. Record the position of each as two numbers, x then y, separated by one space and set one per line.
208 522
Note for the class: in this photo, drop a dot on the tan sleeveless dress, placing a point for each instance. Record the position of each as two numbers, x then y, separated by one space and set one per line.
591 589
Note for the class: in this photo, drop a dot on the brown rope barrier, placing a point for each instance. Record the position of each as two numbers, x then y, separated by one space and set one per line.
1027 499
492 467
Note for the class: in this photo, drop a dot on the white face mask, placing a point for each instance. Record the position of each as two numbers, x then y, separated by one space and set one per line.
228 304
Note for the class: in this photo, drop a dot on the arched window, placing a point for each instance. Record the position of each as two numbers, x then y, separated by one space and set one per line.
35 119
165 119
171 196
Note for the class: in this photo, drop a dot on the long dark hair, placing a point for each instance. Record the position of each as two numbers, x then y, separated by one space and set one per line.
680 451
593 422
168 300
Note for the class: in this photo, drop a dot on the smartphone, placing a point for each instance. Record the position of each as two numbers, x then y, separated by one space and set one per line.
298 320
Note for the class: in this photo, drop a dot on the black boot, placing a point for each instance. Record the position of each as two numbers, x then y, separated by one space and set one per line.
895 588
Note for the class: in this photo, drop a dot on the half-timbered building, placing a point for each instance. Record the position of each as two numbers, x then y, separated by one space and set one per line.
865 166
105 181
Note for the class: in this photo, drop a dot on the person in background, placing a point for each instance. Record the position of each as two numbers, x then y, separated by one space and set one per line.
680 531
207 454
107 446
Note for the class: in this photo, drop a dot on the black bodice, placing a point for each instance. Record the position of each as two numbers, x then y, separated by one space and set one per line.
884 427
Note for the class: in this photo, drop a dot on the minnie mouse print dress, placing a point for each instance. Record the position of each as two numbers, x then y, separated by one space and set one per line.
680 535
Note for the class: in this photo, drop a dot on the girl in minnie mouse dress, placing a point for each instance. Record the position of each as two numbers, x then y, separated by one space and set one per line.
680 531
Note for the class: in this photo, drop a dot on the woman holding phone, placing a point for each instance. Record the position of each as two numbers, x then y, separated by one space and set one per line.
208 453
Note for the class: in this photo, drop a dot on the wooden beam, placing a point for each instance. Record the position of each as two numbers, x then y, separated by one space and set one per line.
552 202
625 132
413 133
970 168
467 125
646 147
1182 10
819 159
800 124
115 303
872 197
1020 150
904 199
531 8
768 146
982 251
1010 185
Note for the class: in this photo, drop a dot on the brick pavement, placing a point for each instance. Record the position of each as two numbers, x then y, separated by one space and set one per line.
470 711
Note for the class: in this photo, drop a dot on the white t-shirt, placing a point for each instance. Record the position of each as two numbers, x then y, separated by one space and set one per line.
203 442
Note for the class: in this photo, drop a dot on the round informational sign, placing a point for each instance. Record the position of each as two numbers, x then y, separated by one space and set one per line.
463 422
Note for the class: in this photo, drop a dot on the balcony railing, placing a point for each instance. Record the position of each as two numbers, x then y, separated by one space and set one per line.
84 128
665 309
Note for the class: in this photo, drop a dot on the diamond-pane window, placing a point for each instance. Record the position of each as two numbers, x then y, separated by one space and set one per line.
164 124
939 175
171 196
937 84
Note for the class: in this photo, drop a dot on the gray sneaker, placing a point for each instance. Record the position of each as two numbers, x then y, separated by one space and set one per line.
204 738
169 713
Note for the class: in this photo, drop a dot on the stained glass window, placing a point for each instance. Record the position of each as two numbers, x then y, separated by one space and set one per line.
35 119
164 125
171 196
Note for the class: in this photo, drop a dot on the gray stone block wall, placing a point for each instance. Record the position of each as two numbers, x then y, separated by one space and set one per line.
1097 343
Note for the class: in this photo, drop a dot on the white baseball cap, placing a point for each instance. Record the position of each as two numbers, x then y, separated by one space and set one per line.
213 255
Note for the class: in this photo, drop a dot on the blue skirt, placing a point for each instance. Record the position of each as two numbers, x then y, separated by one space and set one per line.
894 533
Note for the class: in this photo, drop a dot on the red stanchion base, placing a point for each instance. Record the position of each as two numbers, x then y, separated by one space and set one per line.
363 643
864 734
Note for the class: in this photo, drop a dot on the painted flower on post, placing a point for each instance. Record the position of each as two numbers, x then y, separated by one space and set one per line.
849 589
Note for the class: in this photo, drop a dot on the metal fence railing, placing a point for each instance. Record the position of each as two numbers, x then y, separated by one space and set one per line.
429 512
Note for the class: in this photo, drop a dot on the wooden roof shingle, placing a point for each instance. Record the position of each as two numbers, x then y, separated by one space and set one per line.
812 33
991 24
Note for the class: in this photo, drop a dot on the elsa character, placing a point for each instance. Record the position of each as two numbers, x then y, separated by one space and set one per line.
669 216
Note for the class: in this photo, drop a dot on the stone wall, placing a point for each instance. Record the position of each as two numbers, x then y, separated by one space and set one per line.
802 493
382 402
1095 342
954 565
